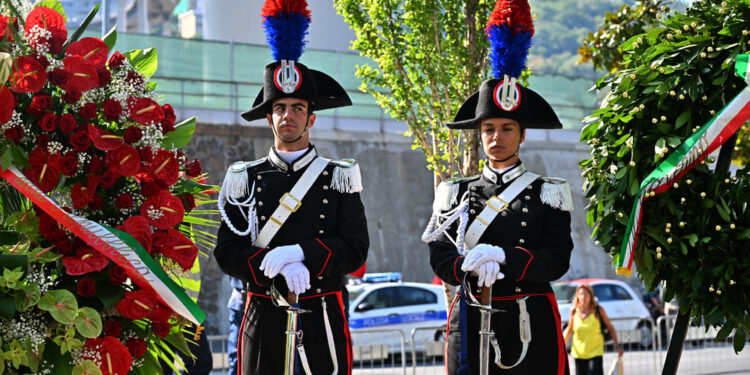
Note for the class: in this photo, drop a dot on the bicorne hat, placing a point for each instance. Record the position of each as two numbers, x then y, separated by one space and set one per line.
285 23
509 29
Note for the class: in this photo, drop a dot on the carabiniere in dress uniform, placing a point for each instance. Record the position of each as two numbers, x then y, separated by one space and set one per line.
503 235
293 214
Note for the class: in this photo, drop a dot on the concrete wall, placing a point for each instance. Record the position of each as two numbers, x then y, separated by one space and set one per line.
397 197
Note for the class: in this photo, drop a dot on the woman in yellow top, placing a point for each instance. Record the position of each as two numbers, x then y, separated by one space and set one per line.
588 341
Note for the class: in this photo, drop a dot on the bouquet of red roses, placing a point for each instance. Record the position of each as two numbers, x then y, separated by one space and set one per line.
95 203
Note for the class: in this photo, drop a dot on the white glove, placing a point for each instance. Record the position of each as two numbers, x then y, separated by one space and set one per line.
297 277
487 273
279 257
481 254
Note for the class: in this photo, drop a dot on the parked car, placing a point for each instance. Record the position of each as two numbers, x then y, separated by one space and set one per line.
395 306
626 310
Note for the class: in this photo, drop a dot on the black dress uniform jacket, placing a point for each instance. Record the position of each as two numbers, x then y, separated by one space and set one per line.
536 239
330 227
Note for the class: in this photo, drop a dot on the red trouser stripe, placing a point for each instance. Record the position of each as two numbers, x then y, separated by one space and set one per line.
562 354
448 333
346 333
240 338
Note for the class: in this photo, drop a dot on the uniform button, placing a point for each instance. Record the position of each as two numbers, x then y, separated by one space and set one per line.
473 188
325 187
525 210
322 216
325 201
528 187
321 231
325 173
473 199
518 290
317 290
259 178
263 218
268 293
523 223
260 204
479 290
505 213
320 277
521 241
528 197
472 211
258 190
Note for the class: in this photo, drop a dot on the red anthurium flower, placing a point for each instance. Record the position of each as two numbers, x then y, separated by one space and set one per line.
138 305
86 260
7 103
90 49
165 167
126 160
82 195
47 19
113 356
45 176
39 156
180 249
137 347
29 76
163 210
47 225
145 111
82 74
103 139
139 228
161 314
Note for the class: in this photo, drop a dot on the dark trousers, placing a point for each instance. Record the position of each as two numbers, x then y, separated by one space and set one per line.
235 322
263 341
591 366
546 354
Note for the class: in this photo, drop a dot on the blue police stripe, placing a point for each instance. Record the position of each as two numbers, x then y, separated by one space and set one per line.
384 320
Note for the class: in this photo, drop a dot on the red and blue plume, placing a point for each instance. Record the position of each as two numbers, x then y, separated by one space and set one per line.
509 29
286 23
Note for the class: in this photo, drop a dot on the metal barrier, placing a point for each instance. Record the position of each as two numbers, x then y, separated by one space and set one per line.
644 342
375 351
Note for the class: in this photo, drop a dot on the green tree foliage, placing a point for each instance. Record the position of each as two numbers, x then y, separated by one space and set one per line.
694 236
429 56
603 47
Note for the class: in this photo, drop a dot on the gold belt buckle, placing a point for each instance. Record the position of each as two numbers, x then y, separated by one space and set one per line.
292 209
497 209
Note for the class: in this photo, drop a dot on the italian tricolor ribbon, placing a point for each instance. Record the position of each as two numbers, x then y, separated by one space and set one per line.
701 144
116 245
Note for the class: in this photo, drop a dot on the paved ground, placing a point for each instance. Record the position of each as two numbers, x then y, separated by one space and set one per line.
694 361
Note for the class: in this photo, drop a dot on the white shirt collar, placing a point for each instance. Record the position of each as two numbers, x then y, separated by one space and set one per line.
302 161
505 175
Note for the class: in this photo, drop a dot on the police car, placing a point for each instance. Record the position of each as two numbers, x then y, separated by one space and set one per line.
381 304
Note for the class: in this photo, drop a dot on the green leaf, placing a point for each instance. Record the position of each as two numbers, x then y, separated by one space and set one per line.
724 332
110 38
27 296
88 322
692 239
53 4
181 135
674 142
11 262
7 307
79 31
61 304
86 368
739 340
189 186
144 60
20 159
6 160
683 118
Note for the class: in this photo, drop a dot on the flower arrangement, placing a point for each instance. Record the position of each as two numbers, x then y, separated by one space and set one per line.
675 77
80 125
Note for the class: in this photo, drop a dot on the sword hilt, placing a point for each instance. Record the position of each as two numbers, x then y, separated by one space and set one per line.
486 295
291 298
